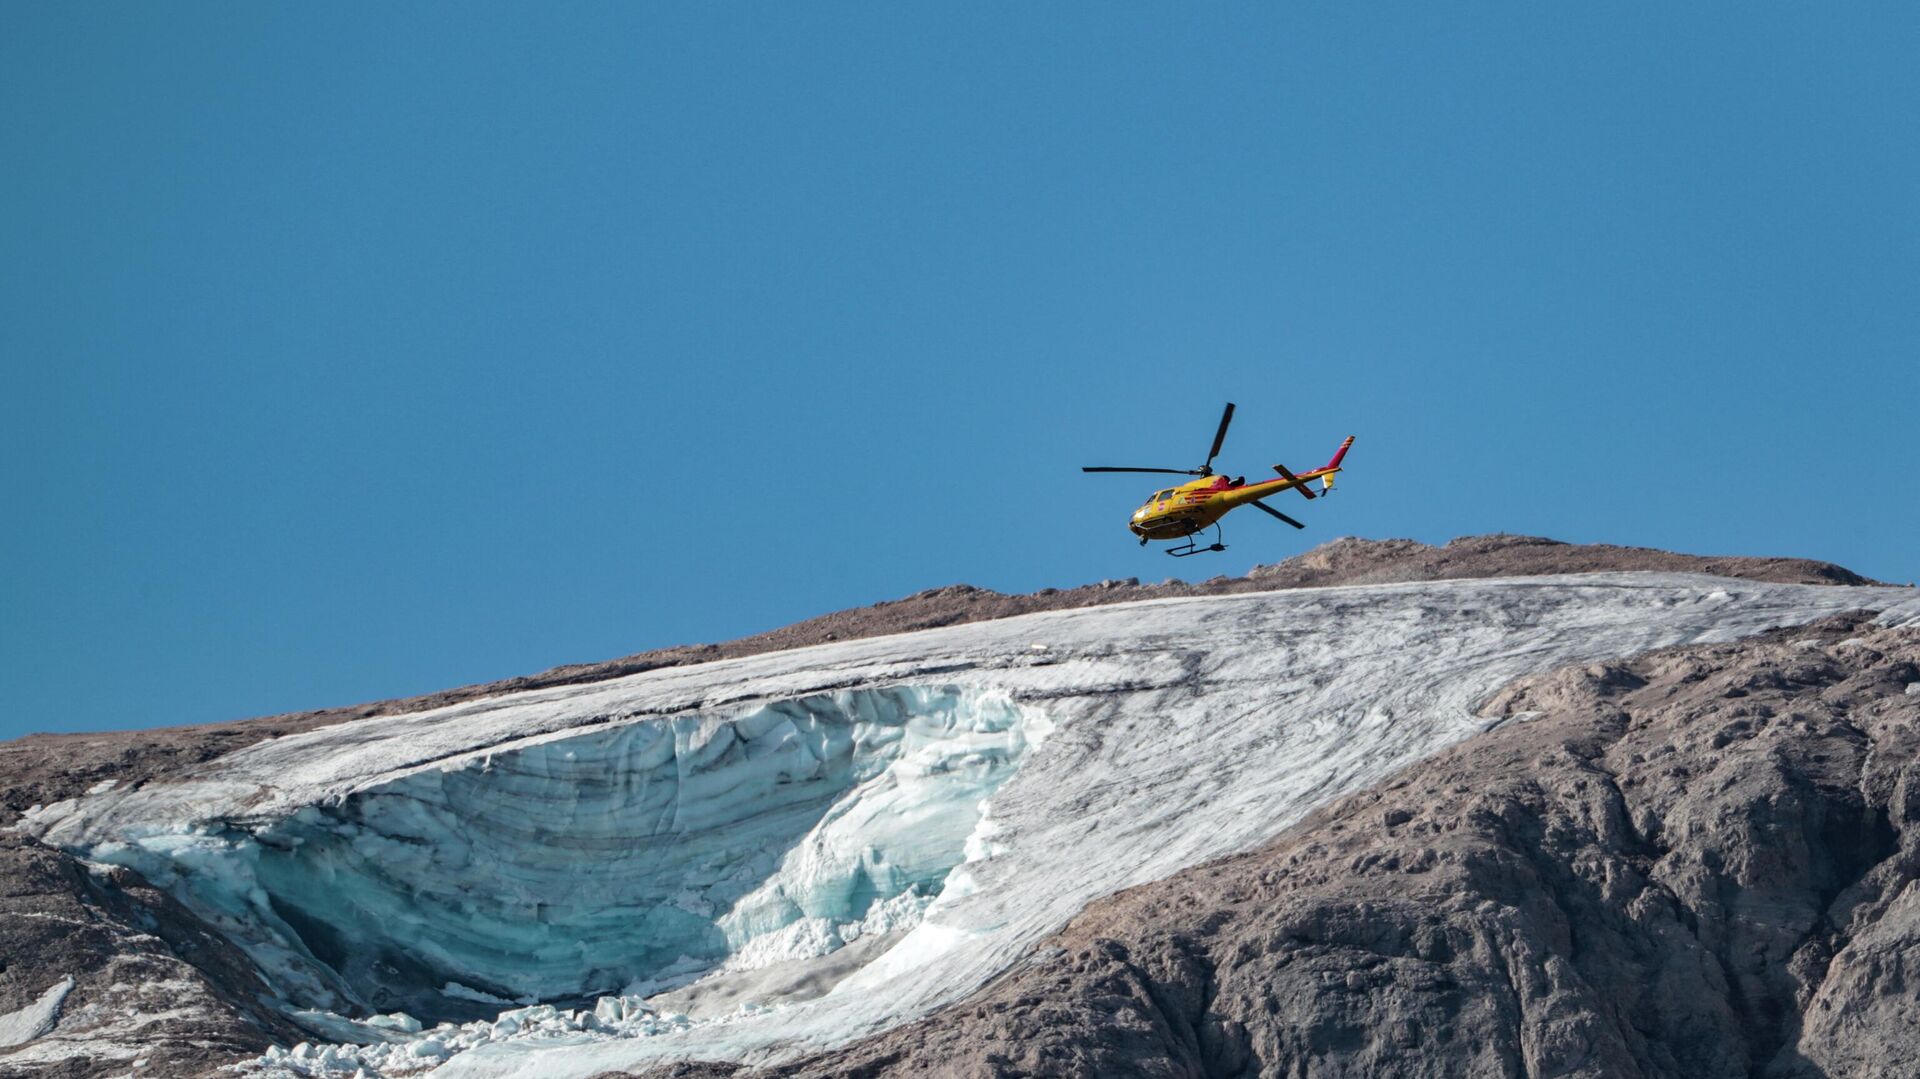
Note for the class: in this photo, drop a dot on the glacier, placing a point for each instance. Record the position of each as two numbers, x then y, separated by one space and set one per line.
751 858
614 861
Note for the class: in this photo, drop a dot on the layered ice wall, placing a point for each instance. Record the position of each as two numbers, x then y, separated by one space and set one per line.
612 862
716 823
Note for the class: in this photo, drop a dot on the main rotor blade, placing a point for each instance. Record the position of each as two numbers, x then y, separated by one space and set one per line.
1172 471
1270 511
1297 485
1220 435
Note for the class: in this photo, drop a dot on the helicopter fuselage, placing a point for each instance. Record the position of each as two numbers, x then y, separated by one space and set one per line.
1195 505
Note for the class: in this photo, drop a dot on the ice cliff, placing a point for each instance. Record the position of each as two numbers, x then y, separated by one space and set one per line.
607 861
751 858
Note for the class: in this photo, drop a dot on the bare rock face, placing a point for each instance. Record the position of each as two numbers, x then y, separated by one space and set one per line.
133 951
1693 863
1351 560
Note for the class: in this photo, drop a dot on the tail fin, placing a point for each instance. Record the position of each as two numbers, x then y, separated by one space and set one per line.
1340 453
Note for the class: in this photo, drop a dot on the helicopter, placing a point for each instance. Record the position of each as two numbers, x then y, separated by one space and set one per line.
1185 511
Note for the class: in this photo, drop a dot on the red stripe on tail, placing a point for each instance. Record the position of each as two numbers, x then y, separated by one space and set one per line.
1339 453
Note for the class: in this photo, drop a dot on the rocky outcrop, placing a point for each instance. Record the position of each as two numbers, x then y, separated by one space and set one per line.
1360 561
1693 863
151 981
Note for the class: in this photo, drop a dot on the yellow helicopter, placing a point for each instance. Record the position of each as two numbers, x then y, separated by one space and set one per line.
1198 504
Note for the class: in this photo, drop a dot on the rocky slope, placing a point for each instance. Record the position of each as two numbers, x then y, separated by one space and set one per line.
153 977
1697 862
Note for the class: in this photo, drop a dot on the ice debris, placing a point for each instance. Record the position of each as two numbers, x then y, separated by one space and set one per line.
426 1049
25 1024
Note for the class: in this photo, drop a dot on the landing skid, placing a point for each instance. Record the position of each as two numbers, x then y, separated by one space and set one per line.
1193 547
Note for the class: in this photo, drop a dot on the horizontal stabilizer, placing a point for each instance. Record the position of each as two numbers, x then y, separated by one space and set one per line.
1297 485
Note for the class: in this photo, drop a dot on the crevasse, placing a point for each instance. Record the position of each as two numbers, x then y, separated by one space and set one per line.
624 859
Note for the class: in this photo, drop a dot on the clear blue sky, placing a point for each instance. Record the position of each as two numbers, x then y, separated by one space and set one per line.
354 351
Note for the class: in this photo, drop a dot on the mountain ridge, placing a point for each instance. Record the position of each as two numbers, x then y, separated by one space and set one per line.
45 767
